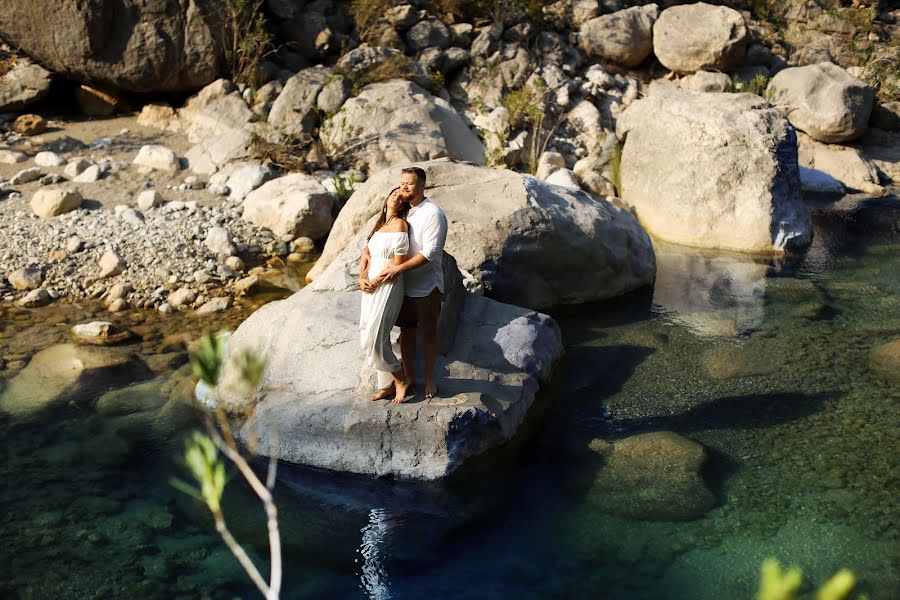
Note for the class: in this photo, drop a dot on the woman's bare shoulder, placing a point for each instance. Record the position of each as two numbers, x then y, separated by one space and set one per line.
397 226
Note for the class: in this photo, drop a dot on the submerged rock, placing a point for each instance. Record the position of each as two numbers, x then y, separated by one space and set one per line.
100 333
886 360
67 372
652 476
511 232
313 405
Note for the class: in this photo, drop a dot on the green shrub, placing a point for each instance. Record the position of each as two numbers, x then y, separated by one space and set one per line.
245 40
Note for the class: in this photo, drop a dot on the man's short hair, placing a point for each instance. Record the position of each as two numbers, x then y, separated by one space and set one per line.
418 172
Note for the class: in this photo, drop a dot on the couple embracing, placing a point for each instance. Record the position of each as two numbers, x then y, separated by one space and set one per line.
400 274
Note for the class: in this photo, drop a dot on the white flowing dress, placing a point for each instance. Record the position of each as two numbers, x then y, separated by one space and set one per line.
379 310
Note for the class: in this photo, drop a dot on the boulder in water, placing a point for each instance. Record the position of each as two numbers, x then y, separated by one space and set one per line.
654 477
713 171
312 406
511 232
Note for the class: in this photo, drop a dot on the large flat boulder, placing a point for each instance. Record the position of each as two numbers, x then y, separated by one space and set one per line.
527 242
398 121
134 45
312 406
23 84
823 100
624 37
695 37
713 170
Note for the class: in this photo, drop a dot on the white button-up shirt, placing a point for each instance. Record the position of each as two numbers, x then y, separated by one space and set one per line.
427 234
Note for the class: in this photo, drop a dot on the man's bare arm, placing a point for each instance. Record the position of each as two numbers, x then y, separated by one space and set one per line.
392 271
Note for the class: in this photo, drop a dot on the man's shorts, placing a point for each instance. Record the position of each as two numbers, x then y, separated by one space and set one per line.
426 309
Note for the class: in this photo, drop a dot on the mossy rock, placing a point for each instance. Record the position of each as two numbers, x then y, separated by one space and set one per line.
886 360
652 476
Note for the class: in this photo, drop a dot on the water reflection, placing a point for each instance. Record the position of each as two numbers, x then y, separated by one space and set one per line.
374 578
711 294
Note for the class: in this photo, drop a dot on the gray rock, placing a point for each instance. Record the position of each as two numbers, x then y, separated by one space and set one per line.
461 34
48 203
824 101
246 179
700 172
99 333
402 17
333 95
844 163
819 182
213 153
9 156
111 263
74 244
564 178
26 278
91 174
118 305
700 36
26 176
68 372
218 240
23 84
706 81
49 159
181 297
166 308
295 204
428 33
215 305
499 217
624 37
493 359
149 199
246 285
234 263
35 298
75 167
404 123
155 156
548 163
294 112
168 47
131 216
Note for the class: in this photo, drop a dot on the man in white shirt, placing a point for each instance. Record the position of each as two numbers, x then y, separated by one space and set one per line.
423 276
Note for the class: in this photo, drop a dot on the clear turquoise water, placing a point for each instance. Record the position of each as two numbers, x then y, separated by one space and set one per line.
765 363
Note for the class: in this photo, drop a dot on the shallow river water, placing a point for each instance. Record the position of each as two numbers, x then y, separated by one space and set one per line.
765 363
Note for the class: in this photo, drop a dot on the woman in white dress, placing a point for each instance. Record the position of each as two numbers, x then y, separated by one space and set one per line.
388 243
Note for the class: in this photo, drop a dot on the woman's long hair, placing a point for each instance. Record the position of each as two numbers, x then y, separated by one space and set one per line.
400 214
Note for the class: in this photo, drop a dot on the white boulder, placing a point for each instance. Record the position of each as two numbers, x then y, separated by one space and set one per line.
295 204
512 231
713 171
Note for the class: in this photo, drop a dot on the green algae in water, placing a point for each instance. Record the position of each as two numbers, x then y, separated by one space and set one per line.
767 364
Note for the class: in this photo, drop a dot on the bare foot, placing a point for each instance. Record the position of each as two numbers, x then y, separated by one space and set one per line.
402 388
384 393
431 390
